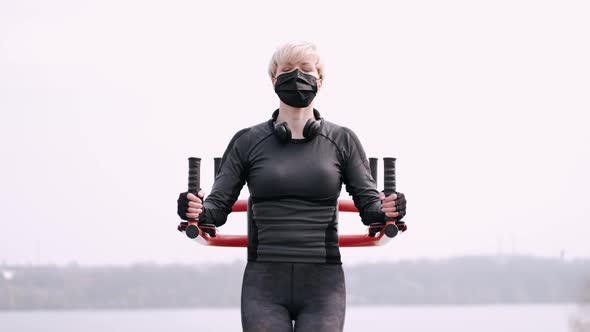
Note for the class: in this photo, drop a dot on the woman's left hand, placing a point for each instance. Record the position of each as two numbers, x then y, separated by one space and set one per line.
393 205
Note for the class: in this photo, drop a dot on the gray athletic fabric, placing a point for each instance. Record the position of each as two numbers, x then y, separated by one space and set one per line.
287 297
294 189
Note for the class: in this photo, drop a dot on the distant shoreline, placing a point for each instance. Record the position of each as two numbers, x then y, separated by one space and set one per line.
230 308
461 281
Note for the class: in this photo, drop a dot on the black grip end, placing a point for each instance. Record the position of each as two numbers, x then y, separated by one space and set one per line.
192 231
390 230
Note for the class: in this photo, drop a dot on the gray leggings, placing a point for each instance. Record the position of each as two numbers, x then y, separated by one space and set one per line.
287 297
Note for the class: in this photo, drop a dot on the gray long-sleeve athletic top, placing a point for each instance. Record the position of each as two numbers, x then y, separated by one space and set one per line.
294 189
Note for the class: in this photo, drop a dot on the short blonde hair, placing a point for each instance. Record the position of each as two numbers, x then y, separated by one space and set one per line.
294 52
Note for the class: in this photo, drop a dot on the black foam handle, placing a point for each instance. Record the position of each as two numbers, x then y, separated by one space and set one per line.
391 230
217 164
374 166
388 176
194 175
194 185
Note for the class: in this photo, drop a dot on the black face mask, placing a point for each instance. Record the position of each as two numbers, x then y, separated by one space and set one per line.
296 88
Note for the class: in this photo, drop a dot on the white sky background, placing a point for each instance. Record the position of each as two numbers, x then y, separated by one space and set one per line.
484 103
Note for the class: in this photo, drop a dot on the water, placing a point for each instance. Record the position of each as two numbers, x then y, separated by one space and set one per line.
506 318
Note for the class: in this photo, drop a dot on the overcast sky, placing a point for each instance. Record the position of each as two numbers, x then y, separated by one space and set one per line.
485 104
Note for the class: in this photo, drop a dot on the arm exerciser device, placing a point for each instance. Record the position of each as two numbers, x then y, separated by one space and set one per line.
377 234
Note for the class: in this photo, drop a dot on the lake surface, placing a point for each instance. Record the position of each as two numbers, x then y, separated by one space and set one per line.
489 318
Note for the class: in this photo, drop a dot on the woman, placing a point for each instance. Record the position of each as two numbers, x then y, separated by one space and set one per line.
294 165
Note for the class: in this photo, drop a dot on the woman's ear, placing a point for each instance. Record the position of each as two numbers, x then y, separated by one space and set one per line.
273 81
319 82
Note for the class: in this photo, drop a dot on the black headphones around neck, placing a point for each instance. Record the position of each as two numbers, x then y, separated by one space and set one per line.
310 130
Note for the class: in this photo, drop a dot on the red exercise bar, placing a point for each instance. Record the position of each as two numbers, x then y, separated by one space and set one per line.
226 240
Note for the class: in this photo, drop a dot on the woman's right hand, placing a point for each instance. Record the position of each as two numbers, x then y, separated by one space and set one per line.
190 206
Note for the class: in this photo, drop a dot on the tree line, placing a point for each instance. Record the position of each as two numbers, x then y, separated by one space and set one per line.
455 281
